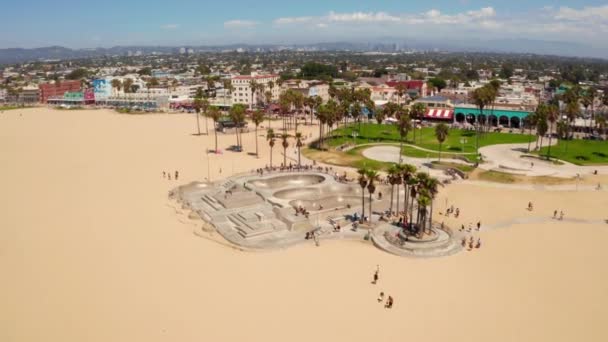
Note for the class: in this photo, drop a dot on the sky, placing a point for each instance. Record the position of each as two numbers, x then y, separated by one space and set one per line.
106 23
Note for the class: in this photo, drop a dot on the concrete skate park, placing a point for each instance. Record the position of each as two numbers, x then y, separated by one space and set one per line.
277 209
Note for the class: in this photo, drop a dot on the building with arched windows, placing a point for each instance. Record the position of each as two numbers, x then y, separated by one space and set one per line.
496 117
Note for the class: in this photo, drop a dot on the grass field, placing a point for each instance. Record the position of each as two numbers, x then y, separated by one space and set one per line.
579 152
425 138
3 108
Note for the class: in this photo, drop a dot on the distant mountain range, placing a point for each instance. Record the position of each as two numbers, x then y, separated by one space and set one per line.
567 49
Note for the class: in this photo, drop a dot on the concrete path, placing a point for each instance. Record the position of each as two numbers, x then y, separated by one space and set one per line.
508 158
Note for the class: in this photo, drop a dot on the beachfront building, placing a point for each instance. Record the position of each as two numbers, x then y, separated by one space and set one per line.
77 98
414 88
312 88
28 95
497 116
57 89
241 93
137 101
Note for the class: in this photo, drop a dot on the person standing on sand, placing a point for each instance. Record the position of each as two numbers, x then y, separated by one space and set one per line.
555 214
381 297
164 174
561 215
169 176
478 225
176 175
376 276
389 302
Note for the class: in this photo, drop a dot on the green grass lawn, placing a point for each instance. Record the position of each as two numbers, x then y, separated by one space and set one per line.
2 108
425 138
580 152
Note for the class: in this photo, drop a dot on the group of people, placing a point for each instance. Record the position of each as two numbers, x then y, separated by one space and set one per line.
167 175
389 301
558 217
470 229
470 243
302 210
451 211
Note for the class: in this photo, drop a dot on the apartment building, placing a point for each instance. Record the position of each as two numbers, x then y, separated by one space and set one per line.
242 90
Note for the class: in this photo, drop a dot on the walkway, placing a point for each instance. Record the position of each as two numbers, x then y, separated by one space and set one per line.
508 158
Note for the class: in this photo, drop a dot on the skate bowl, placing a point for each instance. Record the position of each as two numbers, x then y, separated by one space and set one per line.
327 203
287 181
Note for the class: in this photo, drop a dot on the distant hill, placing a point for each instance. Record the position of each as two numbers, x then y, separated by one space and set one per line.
18 55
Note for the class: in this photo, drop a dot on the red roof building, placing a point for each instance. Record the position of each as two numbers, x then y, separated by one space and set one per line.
418 86
48 90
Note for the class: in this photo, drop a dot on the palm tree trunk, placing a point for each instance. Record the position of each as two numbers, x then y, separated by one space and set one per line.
392 195
550 137
397 210
362 203
370 207
431 217
198 126
530 139
271 157
215 130
440 152
206 125
299 161
257 154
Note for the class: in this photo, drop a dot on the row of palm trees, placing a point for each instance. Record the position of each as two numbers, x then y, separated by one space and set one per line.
271 137
420 191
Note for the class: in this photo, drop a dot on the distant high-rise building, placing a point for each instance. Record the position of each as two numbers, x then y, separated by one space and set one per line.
182 51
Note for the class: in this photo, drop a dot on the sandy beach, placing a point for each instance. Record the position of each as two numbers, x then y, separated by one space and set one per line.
91 249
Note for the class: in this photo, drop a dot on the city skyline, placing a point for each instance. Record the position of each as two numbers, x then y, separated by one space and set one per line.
83 25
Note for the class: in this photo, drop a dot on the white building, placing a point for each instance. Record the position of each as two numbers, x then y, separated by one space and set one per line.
242 91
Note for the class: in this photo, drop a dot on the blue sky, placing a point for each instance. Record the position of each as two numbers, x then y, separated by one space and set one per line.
78 24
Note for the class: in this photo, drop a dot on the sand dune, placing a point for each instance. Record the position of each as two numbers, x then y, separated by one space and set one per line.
91 249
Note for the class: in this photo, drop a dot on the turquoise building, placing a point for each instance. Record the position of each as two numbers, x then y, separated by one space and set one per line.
504 117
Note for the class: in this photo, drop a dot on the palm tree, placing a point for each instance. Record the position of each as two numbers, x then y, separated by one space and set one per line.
408 172
441 133
423 202
299 145
530 121
431 186
372 176
588 100
198 104
412 186
268 97
401 90
601 125
417 112
363 184
572 112
254 87
228 88
285 144
257 117
393 175
541 128
552 115
116 84
405 124
215 114
237 115
127 85
481 97
271 139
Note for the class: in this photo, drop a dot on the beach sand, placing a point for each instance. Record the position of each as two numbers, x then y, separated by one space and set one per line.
91 249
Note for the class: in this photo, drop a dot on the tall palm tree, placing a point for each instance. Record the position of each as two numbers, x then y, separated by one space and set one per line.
431 186
601 125
254 87
408 174
215 114
412 186
416 113
372 177
228 88
237 115
481 97
393 174
198 104
588 100
270 137
116 84
363 184
299 145
423 202
441 133
401 90
257 117
268 97
572 112
285 144
552 115
542 127
405 125
127 85
530 120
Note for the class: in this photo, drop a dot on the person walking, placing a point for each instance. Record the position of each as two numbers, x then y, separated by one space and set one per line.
376 275
478 225
176 175
555 214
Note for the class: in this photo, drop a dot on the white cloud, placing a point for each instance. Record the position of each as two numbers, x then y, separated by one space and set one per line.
169 26
236 24
362 17
292 20
585 13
